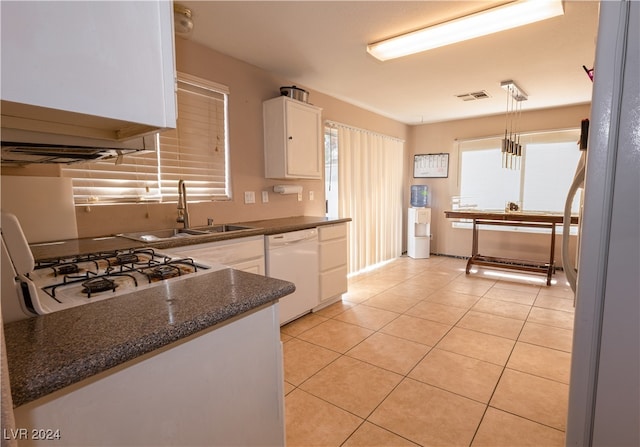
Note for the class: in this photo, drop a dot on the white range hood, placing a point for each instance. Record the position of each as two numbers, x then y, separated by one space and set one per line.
20 147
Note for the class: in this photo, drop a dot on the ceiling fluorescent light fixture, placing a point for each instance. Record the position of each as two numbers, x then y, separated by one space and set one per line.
511 15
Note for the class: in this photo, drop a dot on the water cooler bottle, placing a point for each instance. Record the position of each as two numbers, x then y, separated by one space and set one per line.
419 232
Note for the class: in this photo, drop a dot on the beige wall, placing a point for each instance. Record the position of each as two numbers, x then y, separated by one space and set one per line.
441 137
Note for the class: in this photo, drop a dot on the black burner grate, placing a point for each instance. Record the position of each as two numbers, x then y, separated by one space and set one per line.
96 285
89 276
126 258
164 271
67 269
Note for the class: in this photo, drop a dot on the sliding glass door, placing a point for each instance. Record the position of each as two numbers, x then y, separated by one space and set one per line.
370 170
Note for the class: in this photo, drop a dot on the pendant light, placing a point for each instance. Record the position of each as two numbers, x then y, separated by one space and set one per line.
511 147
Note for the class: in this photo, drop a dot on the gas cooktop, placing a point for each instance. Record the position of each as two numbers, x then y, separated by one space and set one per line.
73 281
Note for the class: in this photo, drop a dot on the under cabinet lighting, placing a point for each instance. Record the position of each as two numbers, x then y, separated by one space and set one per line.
511 15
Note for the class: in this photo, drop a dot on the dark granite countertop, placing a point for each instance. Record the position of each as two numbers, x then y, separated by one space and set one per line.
258 228
74 247
50 352
285 224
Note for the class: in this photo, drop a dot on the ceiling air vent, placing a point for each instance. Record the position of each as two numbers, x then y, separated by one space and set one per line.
473 96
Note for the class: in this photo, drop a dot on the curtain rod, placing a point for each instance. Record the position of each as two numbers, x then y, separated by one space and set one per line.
334 124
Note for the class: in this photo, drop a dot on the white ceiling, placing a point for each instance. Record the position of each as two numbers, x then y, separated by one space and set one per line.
321 45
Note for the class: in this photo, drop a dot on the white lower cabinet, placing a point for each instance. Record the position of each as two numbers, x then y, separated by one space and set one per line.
246 254
333 263
251 266
220 387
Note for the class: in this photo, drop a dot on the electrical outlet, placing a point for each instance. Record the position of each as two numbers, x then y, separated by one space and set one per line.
265 196
299 197
311 195
249 197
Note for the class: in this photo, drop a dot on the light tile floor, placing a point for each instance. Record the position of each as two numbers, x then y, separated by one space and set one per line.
418 353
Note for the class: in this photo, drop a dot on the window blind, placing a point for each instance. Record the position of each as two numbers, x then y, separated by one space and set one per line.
133 178
549 162
196 151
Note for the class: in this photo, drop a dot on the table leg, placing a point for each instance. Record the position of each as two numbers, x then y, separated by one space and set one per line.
474 246
552 255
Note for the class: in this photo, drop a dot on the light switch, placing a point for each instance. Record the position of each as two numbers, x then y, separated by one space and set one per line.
311 195
265 196
249 197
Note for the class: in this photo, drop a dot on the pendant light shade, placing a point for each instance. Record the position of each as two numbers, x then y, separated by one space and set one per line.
511 147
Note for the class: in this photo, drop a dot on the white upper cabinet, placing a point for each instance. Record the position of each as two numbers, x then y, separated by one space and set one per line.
93 69
292 139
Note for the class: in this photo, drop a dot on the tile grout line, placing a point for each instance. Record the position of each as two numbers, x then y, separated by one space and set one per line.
405 376
495 387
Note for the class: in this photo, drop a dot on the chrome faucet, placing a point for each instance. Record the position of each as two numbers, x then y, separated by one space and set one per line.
183 208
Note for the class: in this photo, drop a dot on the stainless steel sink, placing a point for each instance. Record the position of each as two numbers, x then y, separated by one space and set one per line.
174 233
163 235
223 228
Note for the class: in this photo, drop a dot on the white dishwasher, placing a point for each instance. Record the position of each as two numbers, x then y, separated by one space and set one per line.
293 257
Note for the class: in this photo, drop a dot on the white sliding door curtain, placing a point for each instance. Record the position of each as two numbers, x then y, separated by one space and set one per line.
370 178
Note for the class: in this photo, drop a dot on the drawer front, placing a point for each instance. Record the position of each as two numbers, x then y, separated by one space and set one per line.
329 232
226 252
333 254
333 282
256 266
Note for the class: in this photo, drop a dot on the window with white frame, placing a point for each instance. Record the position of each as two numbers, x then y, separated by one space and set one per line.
196 151
548 165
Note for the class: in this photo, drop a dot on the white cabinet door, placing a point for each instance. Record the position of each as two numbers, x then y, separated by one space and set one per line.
245 253
292 139
256 266
93 69
333 262
303 141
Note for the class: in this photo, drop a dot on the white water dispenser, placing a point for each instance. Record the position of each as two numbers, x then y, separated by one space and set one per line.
419 232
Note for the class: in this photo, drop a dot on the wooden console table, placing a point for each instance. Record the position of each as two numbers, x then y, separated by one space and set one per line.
516 219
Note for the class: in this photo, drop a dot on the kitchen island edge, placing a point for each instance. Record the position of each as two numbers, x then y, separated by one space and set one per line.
50 352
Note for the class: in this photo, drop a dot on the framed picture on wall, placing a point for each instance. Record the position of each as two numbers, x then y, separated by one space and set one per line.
431 166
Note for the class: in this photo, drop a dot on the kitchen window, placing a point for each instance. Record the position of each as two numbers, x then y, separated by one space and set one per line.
548 165
196 151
